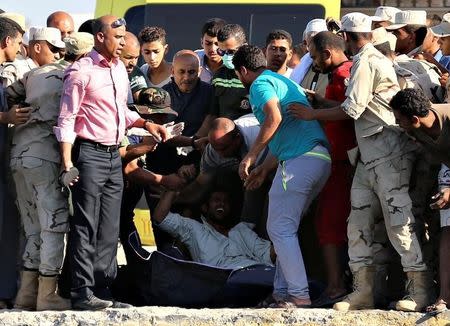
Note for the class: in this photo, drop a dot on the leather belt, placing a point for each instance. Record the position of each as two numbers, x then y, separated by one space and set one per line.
99 146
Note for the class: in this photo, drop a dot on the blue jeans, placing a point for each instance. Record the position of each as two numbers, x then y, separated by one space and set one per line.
297 182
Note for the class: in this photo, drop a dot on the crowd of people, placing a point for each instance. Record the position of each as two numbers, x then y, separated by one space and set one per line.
232 145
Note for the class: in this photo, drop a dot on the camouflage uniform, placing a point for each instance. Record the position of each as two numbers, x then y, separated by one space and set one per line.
12 71
419 74
35 163
381 182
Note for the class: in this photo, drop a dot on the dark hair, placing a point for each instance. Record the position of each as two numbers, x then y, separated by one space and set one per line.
152 34
420 31
411 102
299 49
9 27
279 34
212 26
354 36
434 20
87 27
384 48
328 40
250 57
232 30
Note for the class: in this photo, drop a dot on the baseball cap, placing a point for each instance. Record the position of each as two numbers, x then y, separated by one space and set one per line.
18 18
50 34
79 43
356 22
380 36
443 29
385 13
316 25
153 100
409 17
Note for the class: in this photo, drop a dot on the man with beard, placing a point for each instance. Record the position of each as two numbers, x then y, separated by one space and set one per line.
129 57
279 52
327 52
217 240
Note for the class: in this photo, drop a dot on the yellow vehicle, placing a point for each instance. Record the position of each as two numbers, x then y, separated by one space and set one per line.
183 20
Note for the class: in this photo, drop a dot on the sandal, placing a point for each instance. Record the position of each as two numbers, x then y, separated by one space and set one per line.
437 308
289 303
268 301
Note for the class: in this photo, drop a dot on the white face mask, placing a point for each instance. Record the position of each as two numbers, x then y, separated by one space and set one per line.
227 60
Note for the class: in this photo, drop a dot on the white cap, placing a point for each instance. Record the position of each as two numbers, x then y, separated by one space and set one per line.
18 18
26 38
380 36
443 29
50 34
356 22
316 25
384 13
409 17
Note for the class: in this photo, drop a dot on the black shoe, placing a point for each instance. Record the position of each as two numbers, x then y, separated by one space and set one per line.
121 305
91 303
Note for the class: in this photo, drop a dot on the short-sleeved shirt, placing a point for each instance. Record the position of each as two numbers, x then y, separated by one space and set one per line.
440 147
144 69
206 74
340 134
42 89
11 72
249 128
192 107
294 137
230 98
372 84
242 247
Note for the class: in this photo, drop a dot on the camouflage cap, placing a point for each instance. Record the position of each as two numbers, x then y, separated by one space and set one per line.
79 43
153 100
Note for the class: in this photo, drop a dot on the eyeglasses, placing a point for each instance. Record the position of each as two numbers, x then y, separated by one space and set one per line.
223 52
119 22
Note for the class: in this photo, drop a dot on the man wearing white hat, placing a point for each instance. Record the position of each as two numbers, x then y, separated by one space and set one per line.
443 32
36 164
381 181
303 73
384 16
410 30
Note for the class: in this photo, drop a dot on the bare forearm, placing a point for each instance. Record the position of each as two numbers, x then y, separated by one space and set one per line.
335 113
142 176
206 126
180 141
270 163
134 151
66 155
163 207
266 133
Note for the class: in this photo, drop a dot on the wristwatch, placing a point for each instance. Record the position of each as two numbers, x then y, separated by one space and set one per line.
193 139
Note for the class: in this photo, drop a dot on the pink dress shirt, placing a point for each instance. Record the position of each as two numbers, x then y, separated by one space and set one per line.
94 102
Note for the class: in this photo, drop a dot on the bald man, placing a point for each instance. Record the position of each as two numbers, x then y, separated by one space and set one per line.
229 142
129 57
91 125
62 21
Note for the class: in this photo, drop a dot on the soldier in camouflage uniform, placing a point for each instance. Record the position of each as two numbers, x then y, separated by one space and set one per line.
381 182
35 163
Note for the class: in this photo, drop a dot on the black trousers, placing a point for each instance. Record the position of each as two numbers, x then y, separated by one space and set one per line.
94 228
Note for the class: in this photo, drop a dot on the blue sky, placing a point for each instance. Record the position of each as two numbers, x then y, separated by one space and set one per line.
36 11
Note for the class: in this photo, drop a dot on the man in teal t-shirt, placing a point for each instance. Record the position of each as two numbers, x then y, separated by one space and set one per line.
304 167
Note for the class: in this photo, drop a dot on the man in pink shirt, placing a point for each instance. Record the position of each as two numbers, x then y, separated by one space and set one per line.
91 124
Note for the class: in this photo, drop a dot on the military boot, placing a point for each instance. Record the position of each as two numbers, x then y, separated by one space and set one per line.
419 292
362 295
48 298
27 295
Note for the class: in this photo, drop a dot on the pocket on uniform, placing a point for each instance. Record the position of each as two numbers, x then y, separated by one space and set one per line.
400 206
31 162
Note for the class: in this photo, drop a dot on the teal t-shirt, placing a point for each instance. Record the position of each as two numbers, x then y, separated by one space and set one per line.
294 137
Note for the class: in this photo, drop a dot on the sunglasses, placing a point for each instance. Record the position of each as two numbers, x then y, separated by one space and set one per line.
223 52
119 22
53 48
